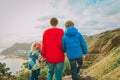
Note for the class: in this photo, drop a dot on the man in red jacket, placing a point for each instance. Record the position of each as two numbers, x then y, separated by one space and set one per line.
52 50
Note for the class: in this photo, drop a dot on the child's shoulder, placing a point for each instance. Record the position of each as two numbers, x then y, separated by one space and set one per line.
30 54
36 52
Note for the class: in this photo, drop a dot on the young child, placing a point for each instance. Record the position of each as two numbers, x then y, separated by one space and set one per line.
75 47
33 64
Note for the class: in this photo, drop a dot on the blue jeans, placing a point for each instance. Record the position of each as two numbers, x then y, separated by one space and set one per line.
34 74
55 68
75 65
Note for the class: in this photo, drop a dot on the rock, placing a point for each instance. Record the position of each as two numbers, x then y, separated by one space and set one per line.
83 77
87 78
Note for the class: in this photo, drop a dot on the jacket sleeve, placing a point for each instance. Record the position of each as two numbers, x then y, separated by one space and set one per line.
83 44
60 38
29 66
38 54
63 44
43 53
30 55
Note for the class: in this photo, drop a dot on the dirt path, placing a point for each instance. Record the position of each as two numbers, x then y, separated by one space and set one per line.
83 77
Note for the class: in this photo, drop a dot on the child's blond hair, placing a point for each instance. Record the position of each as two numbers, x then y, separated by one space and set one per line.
36 46
33 46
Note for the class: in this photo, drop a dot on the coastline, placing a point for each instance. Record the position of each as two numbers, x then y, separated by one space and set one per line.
18 59
15 58
14 63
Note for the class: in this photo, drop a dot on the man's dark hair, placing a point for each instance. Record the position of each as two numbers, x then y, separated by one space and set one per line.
53 21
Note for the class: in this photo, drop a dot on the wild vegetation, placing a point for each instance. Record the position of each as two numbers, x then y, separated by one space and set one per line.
108 67
4 73
24 74
104 55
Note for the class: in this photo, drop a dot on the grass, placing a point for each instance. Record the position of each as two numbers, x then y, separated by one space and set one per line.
104 69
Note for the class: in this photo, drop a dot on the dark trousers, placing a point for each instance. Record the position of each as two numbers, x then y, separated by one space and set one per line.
34 74
76 65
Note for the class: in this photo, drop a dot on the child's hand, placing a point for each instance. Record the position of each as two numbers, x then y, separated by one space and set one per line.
41 59
42 64
85 57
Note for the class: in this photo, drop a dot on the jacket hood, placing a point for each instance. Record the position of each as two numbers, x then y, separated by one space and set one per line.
71 31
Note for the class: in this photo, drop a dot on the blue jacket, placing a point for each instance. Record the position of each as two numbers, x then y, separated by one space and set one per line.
73 43
33 63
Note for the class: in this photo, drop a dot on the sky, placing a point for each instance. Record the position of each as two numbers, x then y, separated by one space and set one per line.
24 21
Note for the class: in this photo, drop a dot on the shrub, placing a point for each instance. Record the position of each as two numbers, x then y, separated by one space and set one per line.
4 73
43 72
23 75
67 70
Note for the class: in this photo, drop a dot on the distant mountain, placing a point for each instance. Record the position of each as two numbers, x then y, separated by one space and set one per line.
18 49
1 50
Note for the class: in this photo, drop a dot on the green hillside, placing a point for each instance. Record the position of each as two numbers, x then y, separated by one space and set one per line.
101 44
107 68
103 62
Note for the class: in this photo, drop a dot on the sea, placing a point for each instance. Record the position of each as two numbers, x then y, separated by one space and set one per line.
15 64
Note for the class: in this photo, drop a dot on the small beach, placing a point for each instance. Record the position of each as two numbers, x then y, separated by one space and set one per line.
15 64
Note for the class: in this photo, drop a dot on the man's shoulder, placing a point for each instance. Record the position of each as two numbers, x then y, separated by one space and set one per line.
60 29
53 29
46 31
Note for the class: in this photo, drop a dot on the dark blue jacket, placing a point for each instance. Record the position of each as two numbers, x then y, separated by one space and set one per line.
73 43
33 60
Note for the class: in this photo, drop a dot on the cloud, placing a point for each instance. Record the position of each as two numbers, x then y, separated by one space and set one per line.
44 18
98 15
27 22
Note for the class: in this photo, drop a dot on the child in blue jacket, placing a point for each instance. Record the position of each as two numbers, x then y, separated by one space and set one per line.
75 47
33 63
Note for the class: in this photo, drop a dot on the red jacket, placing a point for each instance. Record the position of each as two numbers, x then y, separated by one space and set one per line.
52 45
